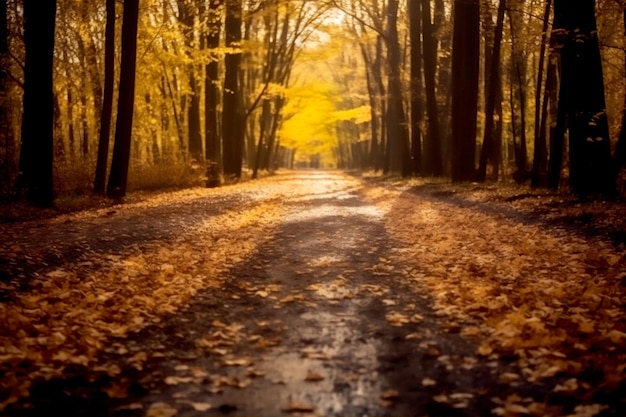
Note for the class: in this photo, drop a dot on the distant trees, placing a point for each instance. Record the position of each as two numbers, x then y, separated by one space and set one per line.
422 88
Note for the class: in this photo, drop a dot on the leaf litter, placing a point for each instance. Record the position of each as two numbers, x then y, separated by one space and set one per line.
550 299
547 297
72 313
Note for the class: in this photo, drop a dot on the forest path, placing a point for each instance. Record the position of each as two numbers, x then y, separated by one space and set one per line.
309 293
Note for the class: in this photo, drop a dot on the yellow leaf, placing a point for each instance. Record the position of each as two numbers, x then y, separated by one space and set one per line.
298 407
427 382
615 335
201 406
390 394
485 349
160 409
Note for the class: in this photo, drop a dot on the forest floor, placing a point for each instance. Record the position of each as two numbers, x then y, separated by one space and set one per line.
318 294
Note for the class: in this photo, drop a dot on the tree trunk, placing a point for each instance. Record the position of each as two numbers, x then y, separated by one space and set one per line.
211 98
488 151
187 12
107 101
118 179
232 113
620 149
397 131
5 129
540 156
417 105
582 98
465 66
432 145
263 127
36 157
443 28
519 63
372 93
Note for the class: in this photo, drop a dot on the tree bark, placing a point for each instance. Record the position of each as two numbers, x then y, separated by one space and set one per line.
432 145
620 149
488 151
107 100
186 16
443 28
6 138
540 155
36 157
465 66
582 98
397 131
417 105
232 113
118 179
211 97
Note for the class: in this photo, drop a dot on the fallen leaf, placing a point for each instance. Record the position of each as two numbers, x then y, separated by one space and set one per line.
390 394
175 380
237 362
201 406
314 377
298 407
161 409
116 390
427 382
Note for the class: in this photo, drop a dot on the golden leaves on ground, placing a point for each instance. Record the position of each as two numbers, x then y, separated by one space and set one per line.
551 298
398 319
73 311
161 409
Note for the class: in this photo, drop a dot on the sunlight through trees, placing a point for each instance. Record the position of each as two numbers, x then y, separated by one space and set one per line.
473 90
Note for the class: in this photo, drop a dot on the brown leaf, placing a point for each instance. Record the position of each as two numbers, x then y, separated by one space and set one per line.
390 394
314 377
160 409
298 407
201 406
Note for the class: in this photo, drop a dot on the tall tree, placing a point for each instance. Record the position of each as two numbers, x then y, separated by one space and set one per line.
118 178
581 97
540 156
187 12
620 149
488 151
232 111
107 100
211 95
432 145
417 105
465 65
36 155
6 139
397 129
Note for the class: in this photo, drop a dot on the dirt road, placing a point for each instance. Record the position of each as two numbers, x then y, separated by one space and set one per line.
310 293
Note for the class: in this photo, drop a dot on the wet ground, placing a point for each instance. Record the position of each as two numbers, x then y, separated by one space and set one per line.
318 319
